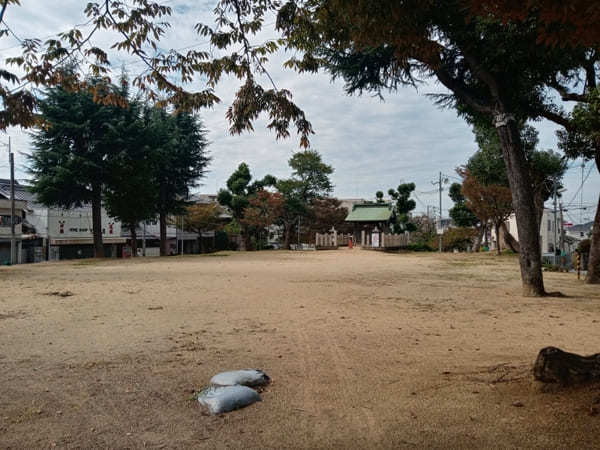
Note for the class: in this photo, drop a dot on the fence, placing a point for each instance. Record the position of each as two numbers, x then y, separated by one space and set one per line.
331 240
377 239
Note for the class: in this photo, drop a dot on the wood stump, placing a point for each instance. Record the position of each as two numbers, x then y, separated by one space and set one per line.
554 365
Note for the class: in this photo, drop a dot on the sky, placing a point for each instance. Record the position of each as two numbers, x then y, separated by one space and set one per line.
372 144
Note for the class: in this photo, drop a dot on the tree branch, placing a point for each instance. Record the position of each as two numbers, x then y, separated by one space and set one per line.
556 118
460 90
4 5
565 95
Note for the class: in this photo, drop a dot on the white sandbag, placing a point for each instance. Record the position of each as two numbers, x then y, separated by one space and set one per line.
222 399
245 377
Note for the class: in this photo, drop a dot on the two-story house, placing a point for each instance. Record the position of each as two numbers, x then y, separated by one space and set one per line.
6 231
56 233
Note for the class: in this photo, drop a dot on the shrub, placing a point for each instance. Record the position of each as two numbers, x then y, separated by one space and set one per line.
419 247
459 238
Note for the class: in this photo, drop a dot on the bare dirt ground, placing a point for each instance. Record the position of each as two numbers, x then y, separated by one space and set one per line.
365 349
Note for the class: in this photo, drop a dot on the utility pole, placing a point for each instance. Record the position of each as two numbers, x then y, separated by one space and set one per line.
439 183
144 239
441 225
581 190
562 235
554 244
13 237
181 235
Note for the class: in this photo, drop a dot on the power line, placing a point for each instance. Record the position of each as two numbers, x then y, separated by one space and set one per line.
12 32
581 186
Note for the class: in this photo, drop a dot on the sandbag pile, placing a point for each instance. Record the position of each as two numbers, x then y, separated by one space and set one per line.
232 390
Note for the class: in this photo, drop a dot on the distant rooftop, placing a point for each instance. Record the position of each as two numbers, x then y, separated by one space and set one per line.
585 227
21 191
370 212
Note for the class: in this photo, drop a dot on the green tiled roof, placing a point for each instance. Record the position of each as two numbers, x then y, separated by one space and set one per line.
370 213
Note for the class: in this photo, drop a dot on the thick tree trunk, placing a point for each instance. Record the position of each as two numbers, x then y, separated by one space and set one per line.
498 247
556 366
522 196
593 273
164 244
97 221
478 239
133 231
509 239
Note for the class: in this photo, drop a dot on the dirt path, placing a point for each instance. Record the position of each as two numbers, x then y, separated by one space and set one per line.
366 350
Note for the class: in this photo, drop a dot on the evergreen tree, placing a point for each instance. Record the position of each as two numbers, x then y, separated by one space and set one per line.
460 212
404 205
178 158
72 151
236 197
129 193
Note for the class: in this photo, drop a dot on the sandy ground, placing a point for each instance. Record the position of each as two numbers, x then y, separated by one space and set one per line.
366 350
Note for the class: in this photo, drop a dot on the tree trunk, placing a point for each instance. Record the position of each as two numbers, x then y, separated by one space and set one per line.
556 366
287 236
97 221
593 273
530 257
509 239
478 239
246 238
164 250
498 247
133 231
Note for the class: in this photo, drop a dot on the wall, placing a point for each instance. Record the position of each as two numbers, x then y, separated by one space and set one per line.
77 223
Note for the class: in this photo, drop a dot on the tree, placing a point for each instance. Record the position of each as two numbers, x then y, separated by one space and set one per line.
202 217
490 203
238 193
263 210
324 214
379 197
556 25
70 162
312 174
404 205
179 159
129 195
294 207
309 182
463 217
460 213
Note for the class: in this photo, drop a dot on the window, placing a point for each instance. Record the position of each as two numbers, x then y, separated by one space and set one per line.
549 225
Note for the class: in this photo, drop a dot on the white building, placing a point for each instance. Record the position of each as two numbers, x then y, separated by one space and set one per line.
550 230
5 229
56 233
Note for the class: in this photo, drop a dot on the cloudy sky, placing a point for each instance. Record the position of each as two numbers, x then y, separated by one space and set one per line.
372 144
